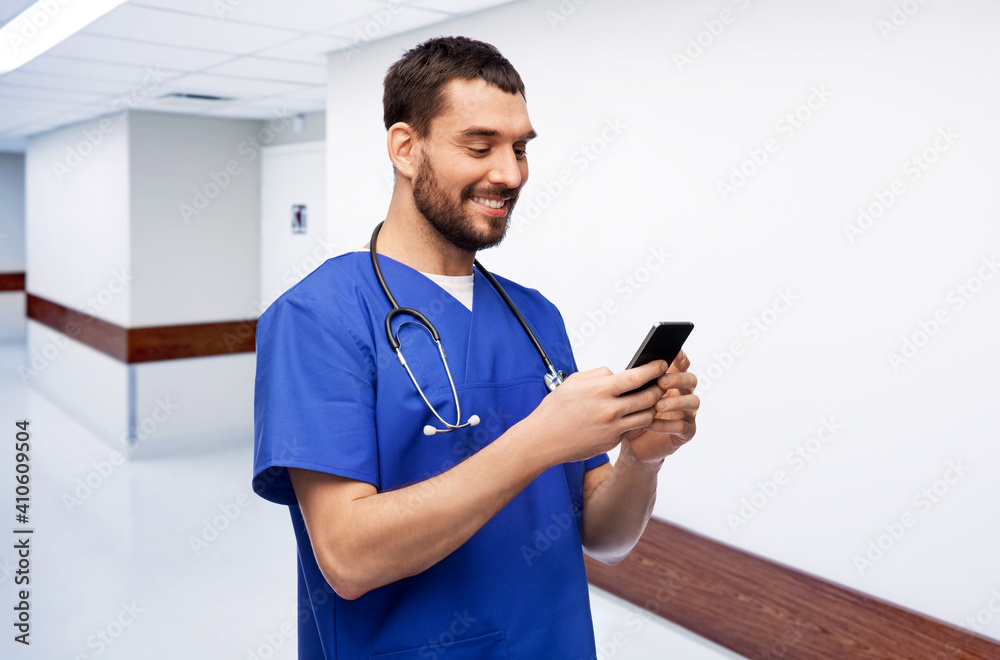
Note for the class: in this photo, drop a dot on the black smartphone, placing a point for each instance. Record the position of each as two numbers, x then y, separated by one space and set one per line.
663 342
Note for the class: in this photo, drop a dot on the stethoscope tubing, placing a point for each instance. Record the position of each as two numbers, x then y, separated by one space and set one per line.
552 377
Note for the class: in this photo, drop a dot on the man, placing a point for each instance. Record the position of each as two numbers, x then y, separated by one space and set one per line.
468 543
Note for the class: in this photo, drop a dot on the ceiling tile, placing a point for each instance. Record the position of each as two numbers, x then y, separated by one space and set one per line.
270 55
10 106
127 51
48 81
268 69
67 66
28 93
299 15
369 28
174 28
459 6
309 48
310 94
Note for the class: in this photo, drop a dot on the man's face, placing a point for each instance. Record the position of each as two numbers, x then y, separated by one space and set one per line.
473 159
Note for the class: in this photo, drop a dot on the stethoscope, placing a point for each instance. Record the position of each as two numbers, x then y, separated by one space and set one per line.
553 377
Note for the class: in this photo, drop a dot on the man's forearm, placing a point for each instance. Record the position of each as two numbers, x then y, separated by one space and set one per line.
399 533
616 512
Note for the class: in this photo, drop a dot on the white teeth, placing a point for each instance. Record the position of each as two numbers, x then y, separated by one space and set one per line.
492 203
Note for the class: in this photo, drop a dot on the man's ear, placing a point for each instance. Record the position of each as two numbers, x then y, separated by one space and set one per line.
402 143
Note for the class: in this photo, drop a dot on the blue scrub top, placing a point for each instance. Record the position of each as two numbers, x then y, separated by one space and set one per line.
331 396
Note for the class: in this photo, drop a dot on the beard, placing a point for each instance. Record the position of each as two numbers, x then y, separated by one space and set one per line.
448 217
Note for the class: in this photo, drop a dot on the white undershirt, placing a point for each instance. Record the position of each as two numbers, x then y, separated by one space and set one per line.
460 286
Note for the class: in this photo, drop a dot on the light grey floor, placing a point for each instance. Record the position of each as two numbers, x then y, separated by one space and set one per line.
177 558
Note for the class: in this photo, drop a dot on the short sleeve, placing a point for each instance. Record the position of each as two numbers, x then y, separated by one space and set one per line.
565 352
314 398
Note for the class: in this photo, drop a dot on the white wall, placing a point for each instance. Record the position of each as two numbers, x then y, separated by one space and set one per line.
12 319
312 128
77 217
11 213
291 174
195 209
629 218
108 235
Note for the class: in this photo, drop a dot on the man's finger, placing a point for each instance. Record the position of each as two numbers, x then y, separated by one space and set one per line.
636 377
680 363
679 380
681 403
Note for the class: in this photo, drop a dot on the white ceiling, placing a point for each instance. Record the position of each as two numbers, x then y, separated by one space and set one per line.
267 55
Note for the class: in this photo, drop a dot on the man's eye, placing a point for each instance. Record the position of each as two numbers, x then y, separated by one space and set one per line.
521 153
480 151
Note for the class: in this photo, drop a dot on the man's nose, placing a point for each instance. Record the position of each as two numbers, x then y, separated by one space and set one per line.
505 169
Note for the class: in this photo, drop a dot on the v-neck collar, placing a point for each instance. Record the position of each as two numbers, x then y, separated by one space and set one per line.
424 278
481 340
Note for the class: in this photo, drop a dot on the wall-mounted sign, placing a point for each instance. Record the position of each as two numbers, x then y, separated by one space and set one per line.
298 218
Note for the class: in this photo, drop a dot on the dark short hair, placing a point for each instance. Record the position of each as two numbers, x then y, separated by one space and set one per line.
413 85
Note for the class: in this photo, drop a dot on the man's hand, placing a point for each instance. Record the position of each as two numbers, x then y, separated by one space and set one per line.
674 424
586 416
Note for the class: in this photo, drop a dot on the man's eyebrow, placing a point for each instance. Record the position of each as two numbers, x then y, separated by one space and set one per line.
480 131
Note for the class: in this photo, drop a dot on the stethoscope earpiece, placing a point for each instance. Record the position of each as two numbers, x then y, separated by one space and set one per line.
552 377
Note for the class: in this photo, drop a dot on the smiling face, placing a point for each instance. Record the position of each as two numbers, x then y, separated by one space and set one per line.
473 163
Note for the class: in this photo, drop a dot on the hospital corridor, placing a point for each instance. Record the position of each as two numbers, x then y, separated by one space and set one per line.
300 359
